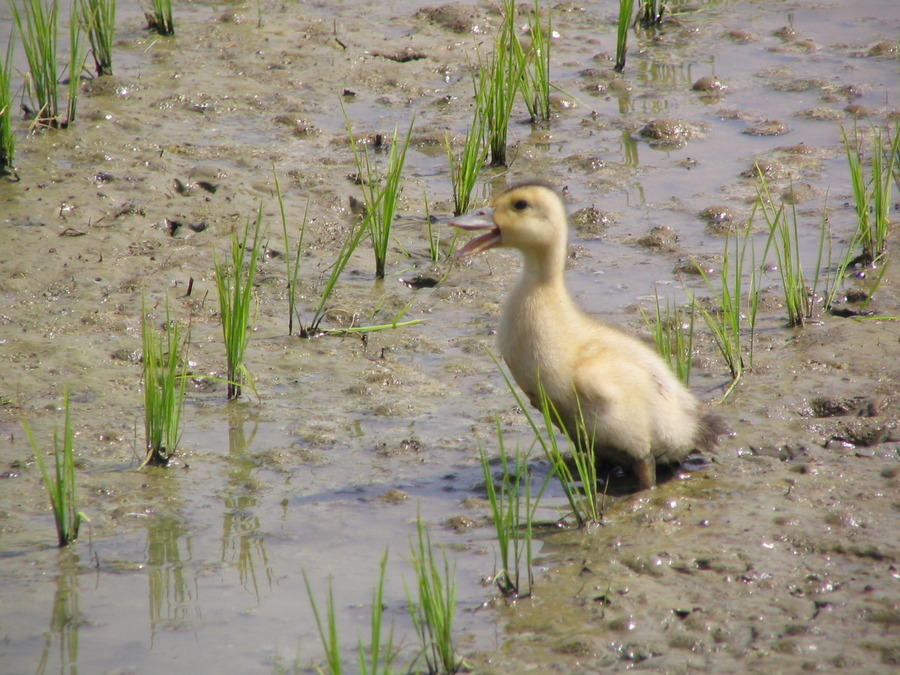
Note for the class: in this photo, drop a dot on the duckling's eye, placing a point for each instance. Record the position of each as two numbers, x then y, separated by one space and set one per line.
520 205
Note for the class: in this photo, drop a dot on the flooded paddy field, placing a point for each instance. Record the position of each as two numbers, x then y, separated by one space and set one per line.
781 555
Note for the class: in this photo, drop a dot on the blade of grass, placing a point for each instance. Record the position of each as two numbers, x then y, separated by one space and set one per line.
77 56
62 488
235 287
351 242
650 12
7 131
735 309
380 199
785 240
626 11
585 501
433 611
98 17
381 657
39 38
535 79
160 17
327 628
165 381
292 271
674 341
515 531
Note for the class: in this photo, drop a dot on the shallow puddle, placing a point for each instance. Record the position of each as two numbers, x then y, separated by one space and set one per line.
780 555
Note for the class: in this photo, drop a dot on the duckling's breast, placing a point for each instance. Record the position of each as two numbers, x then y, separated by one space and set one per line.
536 341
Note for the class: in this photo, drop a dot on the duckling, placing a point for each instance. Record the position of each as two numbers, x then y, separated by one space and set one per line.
595 374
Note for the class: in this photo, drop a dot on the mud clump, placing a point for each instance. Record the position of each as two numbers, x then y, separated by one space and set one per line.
668 132
591 221
660 237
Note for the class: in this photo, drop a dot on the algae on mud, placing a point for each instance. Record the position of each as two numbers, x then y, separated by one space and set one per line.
779 556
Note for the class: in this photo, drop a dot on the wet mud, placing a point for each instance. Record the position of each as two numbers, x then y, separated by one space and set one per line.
779 555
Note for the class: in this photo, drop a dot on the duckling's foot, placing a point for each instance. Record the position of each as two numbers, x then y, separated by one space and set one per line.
645 470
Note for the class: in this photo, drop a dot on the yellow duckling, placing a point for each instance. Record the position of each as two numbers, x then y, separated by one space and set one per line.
639 412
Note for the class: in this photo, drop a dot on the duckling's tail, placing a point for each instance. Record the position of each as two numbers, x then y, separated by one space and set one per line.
708 431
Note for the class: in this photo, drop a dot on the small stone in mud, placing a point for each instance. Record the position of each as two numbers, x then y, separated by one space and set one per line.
709 84
419 281
767 128
661 237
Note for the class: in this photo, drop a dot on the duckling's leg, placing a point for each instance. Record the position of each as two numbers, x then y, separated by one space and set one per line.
645 470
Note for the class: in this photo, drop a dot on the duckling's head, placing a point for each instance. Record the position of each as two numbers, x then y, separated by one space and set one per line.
529 217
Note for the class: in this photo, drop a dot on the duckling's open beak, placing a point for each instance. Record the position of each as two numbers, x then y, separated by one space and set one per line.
482 219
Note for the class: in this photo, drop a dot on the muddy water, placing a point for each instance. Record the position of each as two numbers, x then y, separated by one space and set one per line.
781 555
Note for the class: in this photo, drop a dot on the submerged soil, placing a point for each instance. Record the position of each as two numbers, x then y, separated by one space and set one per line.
780 555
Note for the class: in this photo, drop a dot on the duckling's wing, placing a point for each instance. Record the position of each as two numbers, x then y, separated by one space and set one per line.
612 396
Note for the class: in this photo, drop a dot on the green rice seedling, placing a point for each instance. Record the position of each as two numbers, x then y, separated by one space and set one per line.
436 253
377 658
165 380
467 163
7 130
293 271
61 487
735 308
160 17
512 511
495 95
327 629
235 287
37 26
434 609
650 12
626 11
498 79
674 337
466 166
872 194
314 328
380 194
533 64
351 242
98 18
784 239
833 281
580 487
77 57
434 233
